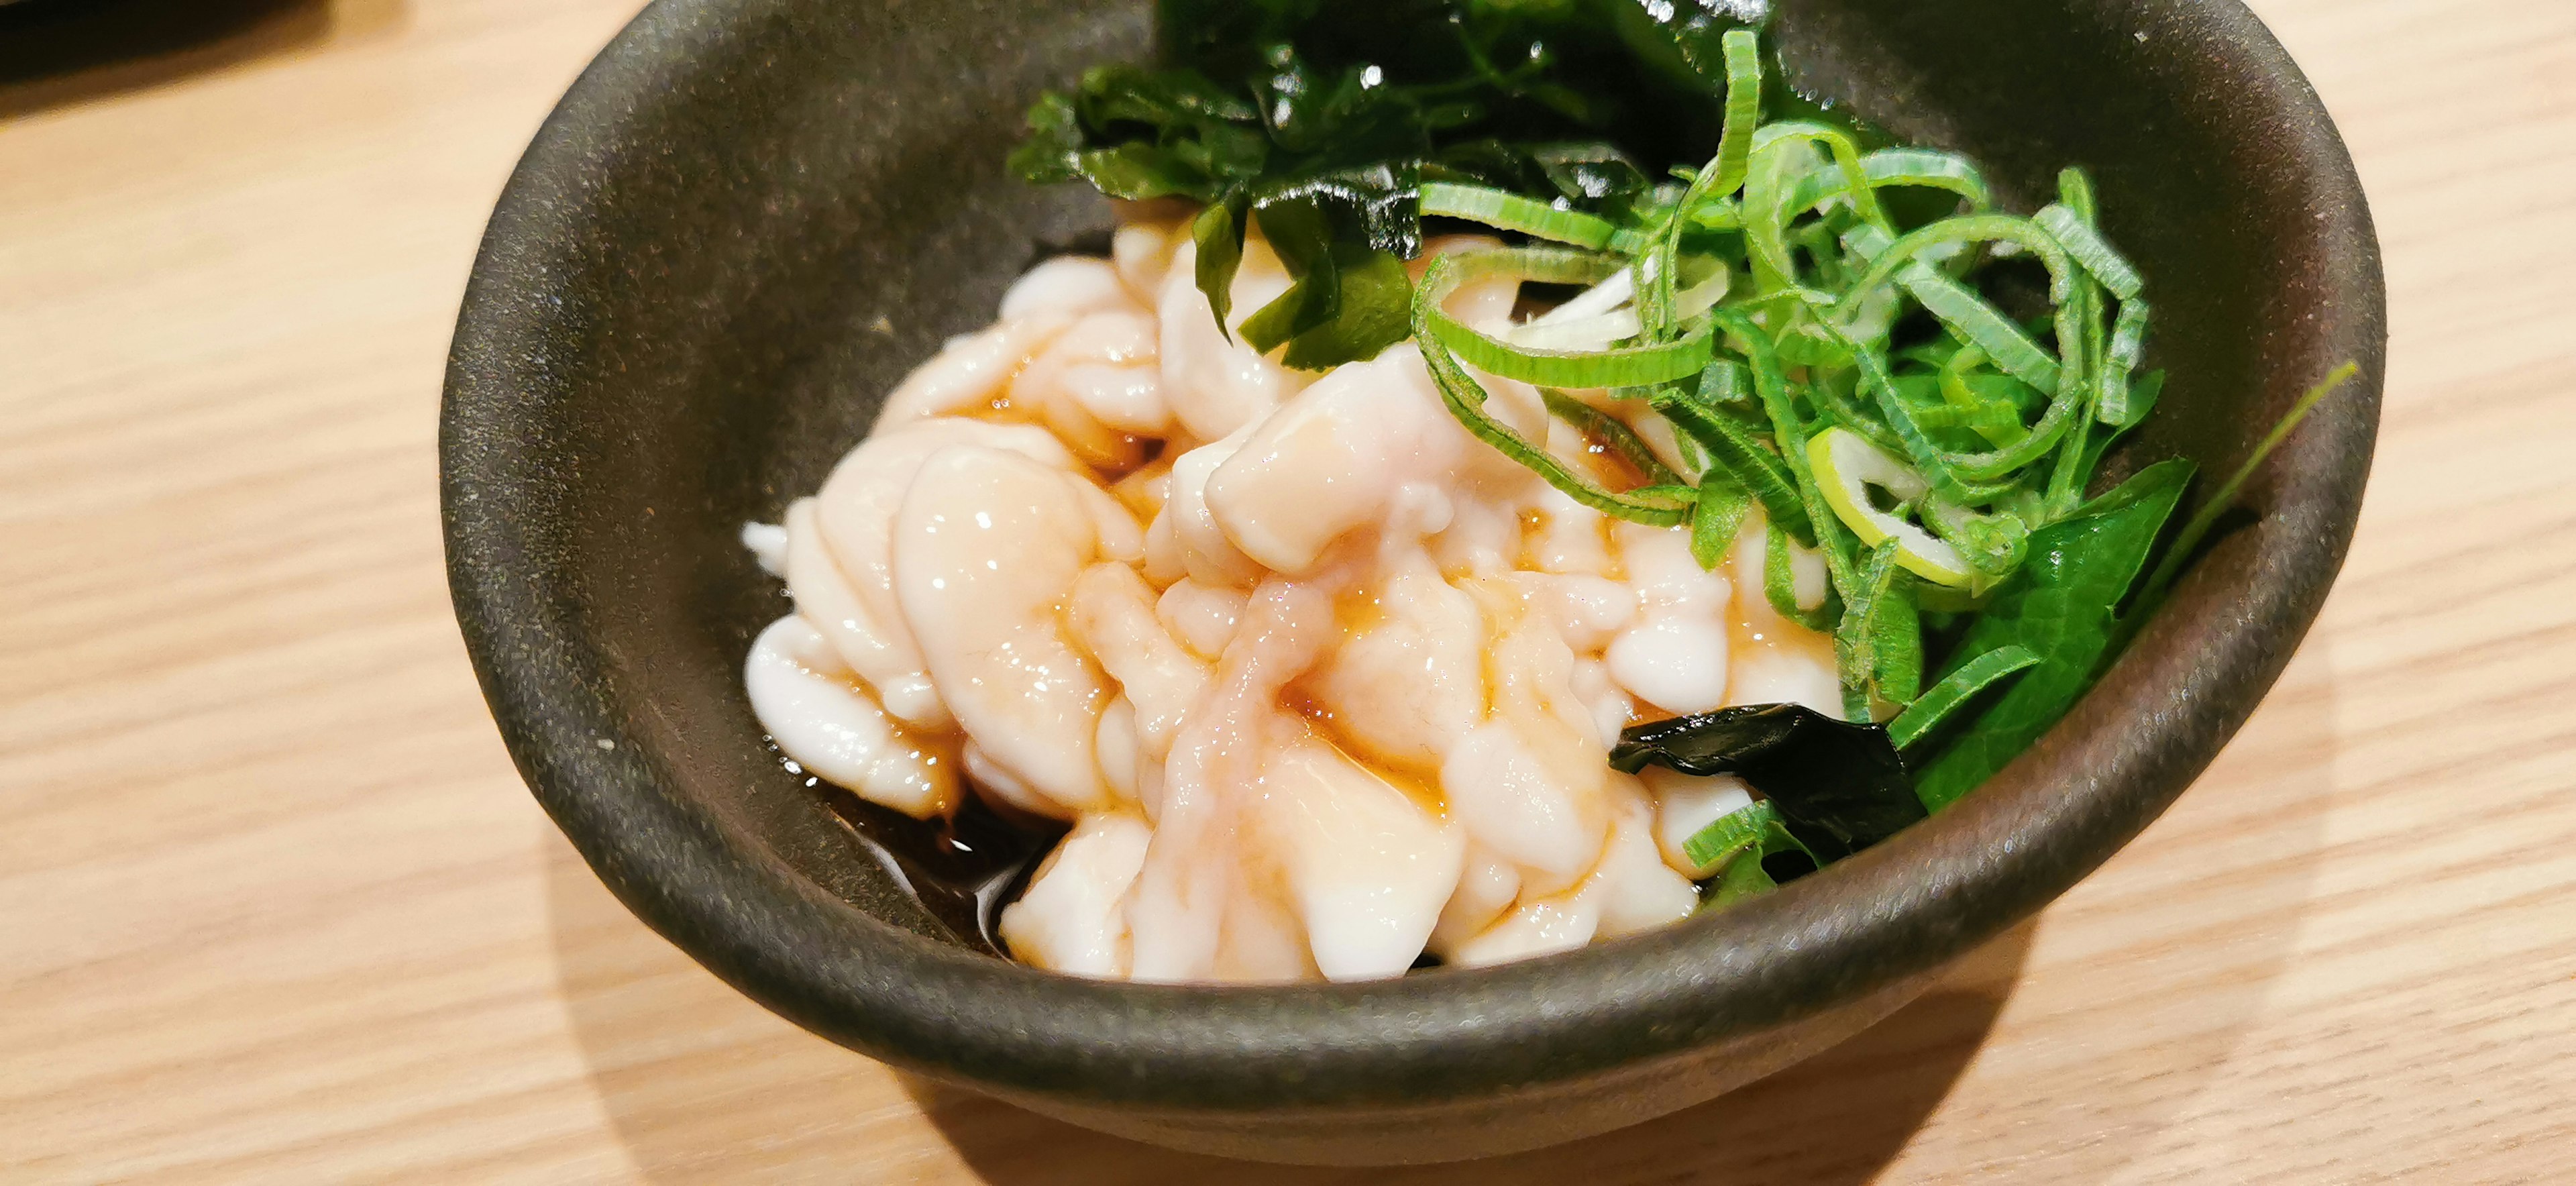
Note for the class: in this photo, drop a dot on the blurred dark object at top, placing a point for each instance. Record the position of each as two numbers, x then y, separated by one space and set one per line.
56 52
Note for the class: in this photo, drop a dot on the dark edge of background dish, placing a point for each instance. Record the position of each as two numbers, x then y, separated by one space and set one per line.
1864 925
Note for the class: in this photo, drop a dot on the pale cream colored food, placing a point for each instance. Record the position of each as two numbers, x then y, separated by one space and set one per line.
1320 681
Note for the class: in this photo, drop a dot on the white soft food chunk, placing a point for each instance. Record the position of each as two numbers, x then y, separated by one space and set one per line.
1637 889
1096 386
1487 887
1535 928
1334 458
1370 869
1073 916
1321 681
1185 539
1685 805
1530 782
1215 385
814 709
767 543
1408 680
1113 616
986 544
1571 538
1067 284
1207 907
1631 889
1142 254
854 516
1675 656
1202 617
1781 661
969 375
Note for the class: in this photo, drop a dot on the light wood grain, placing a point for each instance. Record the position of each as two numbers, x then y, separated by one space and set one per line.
274 907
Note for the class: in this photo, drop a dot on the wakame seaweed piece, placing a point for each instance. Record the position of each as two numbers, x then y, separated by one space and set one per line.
1218 232
1685 39
2062 606
1840 787
1590 176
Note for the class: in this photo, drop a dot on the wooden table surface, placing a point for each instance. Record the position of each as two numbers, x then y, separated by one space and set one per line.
275 907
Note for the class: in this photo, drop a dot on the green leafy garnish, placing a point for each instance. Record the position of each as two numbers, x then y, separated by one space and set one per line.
1525 115
2062 607
1805 282
1955 689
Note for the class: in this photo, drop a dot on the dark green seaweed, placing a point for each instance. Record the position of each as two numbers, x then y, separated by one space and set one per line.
1839 787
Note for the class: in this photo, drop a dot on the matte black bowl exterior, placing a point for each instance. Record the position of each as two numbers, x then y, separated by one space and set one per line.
675 327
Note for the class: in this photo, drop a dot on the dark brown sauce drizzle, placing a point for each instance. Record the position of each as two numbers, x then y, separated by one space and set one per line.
963 870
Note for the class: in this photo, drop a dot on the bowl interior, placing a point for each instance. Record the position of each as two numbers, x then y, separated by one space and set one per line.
752 217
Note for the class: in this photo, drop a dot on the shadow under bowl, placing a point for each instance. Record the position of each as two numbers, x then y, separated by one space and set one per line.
751 217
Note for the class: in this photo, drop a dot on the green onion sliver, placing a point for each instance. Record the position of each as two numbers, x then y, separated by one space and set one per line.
1956 689
1928 456
1856 637
1788 434
1767 477
1846 156
1717 518
1661 506
1742 49
2128 345
2188 540
2091 250
1780 586
1628 366
1968 314
1987 228
1507 211
1928 168
1621 440
1745 827
1722 176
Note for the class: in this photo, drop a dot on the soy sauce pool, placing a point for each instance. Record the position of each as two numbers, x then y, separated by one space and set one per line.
962 869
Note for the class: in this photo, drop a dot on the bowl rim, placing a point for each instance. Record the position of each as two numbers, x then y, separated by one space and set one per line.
1897 911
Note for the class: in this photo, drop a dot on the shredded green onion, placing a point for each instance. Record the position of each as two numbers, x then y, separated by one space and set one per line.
1717 518
1955 689
1504 210
1659 267
1922 167
2188 541
1629 366
1621 440
2128 345
2088 247
1734 450
1466 401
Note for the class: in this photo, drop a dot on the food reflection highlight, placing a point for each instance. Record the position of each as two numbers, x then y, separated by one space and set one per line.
1320 682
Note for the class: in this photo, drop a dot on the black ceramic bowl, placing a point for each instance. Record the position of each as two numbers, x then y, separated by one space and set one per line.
678 323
